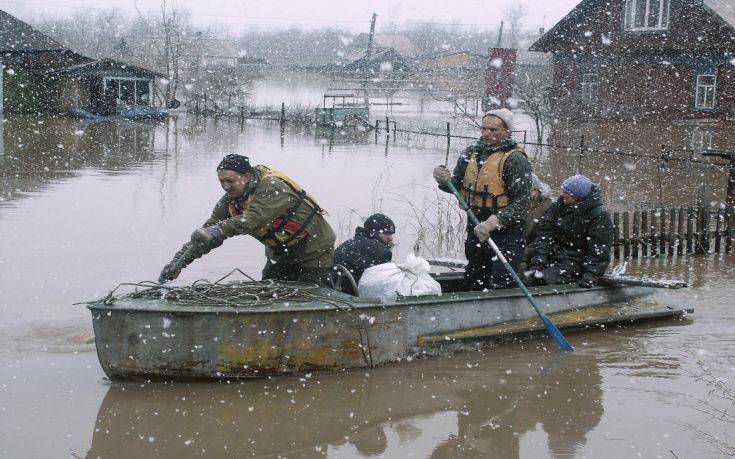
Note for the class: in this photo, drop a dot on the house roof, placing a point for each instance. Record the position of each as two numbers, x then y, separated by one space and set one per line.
378 59
724 9
218 48
400 43
560 29
108 67
16 35
592 15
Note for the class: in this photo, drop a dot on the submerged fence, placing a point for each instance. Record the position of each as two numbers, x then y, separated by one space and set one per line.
669 232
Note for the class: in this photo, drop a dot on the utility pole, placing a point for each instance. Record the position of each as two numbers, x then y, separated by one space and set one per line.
372 34
500 35
731 182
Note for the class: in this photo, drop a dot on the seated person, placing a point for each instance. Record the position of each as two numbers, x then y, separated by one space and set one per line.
574 238
540 203
371 246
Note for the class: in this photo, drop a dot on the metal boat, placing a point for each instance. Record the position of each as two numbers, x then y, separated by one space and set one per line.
153 334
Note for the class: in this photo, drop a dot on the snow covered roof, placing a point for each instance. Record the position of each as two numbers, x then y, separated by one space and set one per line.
106 66
724 9
16 35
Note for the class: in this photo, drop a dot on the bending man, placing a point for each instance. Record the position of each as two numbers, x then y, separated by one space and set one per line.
494 177
269 206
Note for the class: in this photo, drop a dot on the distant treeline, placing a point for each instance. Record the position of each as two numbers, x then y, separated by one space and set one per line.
142 37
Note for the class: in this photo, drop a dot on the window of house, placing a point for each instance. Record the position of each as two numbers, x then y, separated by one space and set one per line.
131 91
704 98
588 87
142 92
647 14
701 139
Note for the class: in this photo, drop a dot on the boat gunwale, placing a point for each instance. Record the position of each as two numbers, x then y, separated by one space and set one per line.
355 303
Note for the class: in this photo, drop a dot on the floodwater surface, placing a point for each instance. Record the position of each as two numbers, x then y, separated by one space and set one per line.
84 207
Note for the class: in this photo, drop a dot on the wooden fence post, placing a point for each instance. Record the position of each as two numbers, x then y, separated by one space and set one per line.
729 223
672 231
581 153
653 230
690 229
718 231
705 235
681 234
616 235
635 237
449 137
626 239
662 234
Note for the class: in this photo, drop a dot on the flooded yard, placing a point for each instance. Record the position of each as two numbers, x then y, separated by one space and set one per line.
84 207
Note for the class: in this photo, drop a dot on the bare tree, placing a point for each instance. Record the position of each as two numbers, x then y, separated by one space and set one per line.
171 38
533 98
513 16
91 35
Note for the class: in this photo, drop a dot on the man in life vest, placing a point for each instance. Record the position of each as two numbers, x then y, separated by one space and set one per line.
269 206
494 178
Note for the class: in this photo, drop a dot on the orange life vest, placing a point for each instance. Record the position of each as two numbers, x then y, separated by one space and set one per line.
484 187
283 231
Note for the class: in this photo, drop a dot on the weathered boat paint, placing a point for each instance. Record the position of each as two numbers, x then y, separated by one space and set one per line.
143 338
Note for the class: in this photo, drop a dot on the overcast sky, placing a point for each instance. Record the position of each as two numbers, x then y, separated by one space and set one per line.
353 15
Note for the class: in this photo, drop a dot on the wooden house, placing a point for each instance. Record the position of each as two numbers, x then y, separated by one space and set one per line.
39 75
644 59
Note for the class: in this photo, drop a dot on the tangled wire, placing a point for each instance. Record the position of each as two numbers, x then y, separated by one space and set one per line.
234 294
250 293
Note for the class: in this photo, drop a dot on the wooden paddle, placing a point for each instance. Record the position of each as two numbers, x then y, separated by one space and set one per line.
552 329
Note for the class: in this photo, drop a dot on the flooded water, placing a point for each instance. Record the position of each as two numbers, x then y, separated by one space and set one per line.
84 207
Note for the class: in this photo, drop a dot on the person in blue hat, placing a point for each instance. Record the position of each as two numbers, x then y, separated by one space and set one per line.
574 239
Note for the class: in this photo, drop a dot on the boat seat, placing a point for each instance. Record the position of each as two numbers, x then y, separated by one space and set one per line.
343 274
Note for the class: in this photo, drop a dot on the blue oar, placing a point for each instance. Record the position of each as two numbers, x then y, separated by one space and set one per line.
553 331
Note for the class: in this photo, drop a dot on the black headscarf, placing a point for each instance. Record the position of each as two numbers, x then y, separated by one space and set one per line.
237 163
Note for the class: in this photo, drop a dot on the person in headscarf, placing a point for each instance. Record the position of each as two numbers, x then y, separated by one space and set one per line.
268 205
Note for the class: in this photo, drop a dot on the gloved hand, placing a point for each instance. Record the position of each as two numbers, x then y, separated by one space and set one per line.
442 175
167 273
211 236
536 270
587 281
483 230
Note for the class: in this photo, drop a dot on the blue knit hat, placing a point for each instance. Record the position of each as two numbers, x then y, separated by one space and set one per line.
577 185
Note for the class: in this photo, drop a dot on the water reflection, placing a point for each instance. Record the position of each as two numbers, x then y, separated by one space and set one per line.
463 407
40 151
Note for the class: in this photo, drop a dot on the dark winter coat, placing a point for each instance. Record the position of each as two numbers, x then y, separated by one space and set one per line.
361 252
271 198
516 177
536 212
575 238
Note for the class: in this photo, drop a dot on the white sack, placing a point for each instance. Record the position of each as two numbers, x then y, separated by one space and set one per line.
388 280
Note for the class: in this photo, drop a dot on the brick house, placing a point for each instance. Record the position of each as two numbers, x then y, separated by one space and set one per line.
644 59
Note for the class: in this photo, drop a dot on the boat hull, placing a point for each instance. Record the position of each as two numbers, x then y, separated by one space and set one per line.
154 339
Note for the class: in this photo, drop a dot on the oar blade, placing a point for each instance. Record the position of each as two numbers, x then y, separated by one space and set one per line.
556 333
